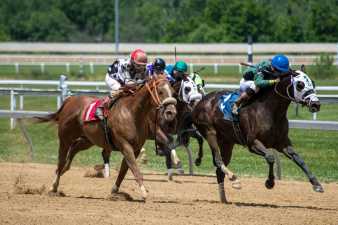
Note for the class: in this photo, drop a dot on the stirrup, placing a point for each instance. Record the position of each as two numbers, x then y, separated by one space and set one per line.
235 109
99 113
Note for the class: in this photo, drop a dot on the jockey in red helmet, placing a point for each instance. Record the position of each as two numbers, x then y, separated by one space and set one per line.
124 71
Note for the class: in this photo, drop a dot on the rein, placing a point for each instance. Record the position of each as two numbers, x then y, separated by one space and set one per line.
155 95
288 96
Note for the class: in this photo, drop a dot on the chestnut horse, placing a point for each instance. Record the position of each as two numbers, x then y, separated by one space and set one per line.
187 95
262 124
126 121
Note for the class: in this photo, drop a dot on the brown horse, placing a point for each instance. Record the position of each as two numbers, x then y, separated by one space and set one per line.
263 124
160 131
126 120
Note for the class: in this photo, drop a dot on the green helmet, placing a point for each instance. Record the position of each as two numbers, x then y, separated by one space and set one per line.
181 66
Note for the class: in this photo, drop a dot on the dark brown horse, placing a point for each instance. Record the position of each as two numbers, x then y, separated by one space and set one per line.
263 124
126 120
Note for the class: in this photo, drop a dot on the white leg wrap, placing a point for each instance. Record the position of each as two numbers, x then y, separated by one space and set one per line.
106 170
174 157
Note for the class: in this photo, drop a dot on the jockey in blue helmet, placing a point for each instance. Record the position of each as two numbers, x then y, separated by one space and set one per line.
261 75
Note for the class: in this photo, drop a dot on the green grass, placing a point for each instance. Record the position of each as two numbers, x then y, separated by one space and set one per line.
318 148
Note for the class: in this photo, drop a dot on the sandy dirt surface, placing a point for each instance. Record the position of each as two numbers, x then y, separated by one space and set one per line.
187 200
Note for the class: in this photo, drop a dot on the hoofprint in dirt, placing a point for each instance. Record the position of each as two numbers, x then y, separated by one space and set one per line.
192 200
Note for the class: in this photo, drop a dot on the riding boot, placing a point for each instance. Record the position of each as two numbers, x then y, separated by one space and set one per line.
243 97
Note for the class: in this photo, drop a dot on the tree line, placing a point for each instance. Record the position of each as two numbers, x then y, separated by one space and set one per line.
196 21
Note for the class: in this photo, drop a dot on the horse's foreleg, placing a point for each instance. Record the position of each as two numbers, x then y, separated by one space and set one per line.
221 170
217 158
130 158
260 149
291 154
122 173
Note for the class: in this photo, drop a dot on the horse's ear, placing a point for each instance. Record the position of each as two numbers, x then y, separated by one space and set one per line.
302 68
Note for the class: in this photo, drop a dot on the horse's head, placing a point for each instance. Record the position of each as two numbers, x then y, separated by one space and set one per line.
162 96
187 91
301 89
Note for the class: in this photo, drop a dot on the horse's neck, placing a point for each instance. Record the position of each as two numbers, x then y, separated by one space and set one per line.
277 104
141 103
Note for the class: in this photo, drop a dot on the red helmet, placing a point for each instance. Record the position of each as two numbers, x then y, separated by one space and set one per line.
138 56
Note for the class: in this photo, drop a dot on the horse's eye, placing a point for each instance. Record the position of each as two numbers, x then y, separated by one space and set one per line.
187 90
300 85
160 92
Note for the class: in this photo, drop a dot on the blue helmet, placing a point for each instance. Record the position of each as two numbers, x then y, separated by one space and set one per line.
281 63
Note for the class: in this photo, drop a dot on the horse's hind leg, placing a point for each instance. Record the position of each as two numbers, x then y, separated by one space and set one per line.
106 156
63 149
79 144
291 154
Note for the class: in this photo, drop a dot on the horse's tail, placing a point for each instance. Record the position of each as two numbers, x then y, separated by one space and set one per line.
52 117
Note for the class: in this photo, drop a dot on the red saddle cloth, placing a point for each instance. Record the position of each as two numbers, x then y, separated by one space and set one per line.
89 112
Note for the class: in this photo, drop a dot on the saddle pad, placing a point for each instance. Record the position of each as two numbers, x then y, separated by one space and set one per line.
225 104
89 113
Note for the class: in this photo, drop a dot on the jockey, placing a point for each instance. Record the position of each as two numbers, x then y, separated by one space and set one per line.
263 74
177 72
123 72
198 81
156 67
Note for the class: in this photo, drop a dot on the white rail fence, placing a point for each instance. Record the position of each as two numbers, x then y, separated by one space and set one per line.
63 90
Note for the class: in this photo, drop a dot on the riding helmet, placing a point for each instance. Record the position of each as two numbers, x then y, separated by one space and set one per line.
281 63
159 64
139 57
181 66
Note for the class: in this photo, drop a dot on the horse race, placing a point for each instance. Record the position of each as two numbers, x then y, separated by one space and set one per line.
168 112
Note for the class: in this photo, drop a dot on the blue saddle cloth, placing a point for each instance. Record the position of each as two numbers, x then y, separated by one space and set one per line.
225 104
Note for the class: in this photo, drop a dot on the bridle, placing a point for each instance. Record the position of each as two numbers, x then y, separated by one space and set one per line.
153 91
288 96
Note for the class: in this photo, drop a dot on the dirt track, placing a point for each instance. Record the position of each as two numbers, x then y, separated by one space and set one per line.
188 200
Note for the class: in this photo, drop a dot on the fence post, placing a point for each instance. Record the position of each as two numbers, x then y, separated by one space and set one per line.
215 68
12 108
67 68
21 100
250 52
42 66
91 66
314 116
191 68
240 69
17 68
63 87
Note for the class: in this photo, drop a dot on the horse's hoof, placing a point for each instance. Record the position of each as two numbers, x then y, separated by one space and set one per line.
180 171
170 174
269 184
318 188
198 162
236 184
114 189
144 193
